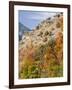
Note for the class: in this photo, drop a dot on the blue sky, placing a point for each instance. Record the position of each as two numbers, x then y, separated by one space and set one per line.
32 18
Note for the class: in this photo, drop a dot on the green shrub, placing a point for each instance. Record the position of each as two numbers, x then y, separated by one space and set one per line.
46 33
58 25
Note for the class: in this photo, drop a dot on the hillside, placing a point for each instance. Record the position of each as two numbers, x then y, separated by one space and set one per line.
22 30
41 50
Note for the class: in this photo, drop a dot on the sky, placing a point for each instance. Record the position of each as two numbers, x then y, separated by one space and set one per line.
32 18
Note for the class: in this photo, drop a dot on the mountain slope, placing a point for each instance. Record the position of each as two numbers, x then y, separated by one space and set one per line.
41 51
22 30
44 31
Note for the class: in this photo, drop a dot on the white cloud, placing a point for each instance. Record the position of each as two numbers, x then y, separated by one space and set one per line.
41 15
